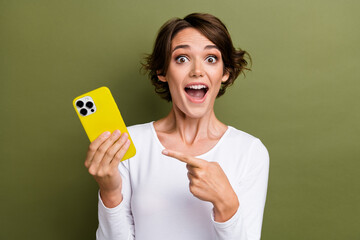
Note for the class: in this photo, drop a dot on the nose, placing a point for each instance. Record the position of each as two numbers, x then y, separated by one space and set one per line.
197 69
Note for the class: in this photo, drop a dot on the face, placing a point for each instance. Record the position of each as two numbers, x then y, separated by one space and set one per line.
195 73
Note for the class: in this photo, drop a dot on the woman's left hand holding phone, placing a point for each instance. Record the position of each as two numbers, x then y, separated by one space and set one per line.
102 161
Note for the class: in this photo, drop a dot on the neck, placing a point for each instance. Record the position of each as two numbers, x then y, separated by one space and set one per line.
192 130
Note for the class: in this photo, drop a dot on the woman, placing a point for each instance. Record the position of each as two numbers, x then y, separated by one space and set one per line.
193 177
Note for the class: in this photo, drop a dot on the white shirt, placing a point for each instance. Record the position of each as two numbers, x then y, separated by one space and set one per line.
158 205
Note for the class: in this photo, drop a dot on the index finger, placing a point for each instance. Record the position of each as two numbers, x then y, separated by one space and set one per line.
195 162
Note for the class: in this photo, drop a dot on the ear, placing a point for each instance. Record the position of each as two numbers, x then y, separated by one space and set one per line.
162 78
225 77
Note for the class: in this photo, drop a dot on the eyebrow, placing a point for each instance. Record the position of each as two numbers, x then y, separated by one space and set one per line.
187 46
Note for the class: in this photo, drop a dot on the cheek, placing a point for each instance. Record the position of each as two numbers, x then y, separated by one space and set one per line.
171 71
217 74
175 76
173 84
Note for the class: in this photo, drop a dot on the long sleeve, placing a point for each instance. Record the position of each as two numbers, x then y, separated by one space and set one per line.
117 223
251 191
158 205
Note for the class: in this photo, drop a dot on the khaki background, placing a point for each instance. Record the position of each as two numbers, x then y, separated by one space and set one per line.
301 100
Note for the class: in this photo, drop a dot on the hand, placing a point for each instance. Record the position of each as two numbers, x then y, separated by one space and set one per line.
102 161
208 182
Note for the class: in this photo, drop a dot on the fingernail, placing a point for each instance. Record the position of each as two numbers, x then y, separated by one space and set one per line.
124 136
107 134
165 152
116 132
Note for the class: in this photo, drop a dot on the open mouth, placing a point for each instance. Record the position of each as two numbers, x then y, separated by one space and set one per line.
196 92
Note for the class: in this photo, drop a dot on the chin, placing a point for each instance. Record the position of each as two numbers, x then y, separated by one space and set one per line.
194 109
196 112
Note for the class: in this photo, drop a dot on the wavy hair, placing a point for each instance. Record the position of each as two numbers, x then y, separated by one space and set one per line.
212 28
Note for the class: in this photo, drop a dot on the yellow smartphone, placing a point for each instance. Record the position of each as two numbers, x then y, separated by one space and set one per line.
98 112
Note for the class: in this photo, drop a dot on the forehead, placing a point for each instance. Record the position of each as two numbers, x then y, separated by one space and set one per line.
191 37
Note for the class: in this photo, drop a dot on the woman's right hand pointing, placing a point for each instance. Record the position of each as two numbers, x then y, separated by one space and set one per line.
102 161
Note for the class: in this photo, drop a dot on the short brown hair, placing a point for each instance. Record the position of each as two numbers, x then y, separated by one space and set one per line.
212 28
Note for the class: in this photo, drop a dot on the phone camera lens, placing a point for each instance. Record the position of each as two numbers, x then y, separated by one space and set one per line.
80 103
89 104
83 112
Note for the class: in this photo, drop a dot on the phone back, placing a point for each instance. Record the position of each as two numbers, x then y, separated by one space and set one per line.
98 113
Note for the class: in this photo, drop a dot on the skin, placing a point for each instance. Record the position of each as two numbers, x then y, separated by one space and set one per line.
190 129
102 161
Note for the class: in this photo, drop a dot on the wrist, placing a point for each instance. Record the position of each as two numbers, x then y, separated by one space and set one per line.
112 198
226 209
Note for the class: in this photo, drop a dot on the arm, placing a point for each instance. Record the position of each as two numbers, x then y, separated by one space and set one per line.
117 222
102 161
238 209
251 191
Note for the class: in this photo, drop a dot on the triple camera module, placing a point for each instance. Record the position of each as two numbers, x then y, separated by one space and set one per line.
85 106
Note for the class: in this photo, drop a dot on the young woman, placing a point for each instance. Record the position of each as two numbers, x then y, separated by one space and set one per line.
193 177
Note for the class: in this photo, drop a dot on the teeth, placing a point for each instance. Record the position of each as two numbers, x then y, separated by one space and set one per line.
197 86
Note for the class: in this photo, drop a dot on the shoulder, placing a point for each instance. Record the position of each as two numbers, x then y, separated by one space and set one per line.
237 134
244 140
143 128
141 134
238 137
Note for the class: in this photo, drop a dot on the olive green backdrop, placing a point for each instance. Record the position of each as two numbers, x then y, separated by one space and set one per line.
301 100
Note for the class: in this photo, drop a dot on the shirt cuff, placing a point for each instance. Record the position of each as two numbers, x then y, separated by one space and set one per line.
233 220
113 210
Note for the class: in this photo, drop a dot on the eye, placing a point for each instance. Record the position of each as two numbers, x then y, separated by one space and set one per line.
181 59
211 59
